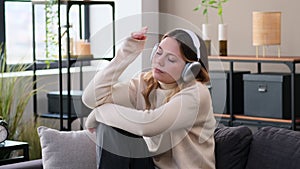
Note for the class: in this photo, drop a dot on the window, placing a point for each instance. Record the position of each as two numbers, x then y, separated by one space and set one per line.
19 30
16 18
18 27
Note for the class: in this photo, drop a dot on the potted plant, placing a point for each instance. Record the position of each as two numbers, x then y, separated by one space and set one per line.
30 135
51 14
206 27
222 29
51 31
15 93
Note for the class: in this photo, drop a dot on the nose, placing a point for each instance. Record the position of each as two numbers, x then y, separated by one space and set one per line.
160 60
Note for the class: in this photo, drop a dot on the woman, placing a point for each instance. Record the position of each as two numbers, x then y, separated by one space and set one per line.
171 110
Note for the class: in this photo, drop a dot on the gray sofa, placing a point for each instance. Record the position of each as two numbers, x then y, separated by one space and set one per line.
238 148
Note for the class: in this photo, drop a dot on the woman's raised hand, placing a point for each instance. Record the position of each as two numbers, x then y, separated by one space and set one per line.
140 35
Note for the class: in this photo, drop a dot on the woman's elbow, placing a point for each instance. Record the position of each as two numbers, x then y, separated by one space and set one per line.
148 132
88 101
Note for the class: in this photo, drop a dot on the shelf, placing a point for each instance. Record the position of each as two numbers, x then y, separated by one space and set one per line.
72 60
60 100
236 119
253 118
222 115
261 121
81 2
256 121
244 58
223 118
57 116
243 117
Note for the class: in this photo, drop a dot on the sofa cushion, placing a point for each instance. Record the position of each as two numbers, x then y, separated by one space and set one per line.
232 147
275 148
65 150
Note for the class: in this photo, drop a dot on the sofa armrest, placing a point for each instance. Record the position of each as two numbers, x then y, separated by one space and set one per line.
32 164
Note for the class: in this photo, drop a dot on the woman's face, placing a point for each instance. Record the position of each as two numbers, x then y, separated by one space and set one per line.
167 62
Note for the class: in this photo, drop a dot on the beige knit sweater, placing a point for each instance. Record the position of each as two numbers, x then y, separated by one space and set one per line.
179 132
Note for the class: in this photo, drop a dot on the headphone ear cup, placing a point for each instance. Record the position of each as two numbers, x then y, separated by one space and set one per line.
190 71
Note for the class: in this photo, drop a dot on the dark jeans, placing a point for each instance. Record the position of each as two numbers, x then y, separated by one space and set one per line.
118 149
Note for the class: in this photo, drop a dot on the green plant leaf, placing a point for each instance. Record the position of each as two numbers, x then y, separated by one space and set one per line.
220 11
212 2
197 8
16 91
205 11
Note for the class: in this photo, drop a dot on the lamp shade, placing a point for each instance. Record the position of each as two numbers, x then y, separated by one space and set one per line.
266 28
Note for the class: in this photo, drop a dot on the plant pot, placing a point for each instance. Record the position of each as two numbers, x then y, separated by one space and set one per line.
206 36
208 47
222 37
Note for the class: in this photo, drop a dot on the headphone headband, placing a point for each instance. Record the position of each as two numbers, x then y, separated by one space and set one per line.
195 39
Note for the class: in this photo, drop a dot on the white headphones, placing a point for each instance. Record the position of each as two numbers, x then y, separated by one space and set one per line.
191 69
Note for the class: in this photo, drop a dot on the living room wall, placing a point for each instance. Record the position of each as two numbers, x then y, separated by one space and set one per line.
238 16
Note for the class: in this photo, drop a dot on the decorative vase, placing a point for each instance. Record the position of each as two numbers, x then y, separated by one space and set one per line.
206 35
222 37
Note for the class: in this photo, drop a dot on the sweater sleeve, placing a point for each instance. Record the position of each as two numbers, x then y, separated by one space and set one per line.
180 112
105 82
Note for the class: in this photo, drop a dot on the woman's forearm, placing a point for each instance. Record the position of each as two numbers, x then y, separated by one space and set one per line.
99 90
175 114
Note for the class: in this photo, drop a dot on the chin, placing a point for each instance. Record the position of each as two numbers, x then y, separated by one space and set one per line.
164 80
157 77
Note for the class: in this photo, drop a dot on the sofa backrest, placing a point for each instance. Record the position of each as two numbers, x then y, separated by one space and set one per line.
232 147
274 148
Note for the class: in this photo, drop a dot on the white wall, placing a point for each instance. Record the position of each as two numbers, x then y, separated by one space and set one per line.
238 15
150 19
131 15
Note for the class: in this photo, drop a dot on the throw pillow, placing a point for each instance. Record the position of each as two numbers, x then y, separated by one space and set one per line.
67 149
275 148
232 147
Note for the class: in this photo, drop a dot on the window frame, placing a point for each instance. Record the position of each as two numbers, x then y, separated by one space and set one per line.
42 65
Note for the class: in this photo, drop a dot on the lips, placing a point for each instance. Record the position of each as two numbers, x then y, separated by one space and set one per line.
158 70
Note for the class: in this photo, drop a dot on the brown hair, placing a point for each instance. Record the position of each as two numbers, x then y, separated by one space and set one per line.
188 50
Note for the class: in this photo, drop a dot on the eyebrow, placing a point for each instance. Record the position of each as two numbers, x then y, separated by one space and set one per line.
168 51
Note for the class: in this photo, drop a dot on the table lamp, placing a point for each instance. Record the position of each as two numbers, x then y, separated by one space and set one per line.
266 30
